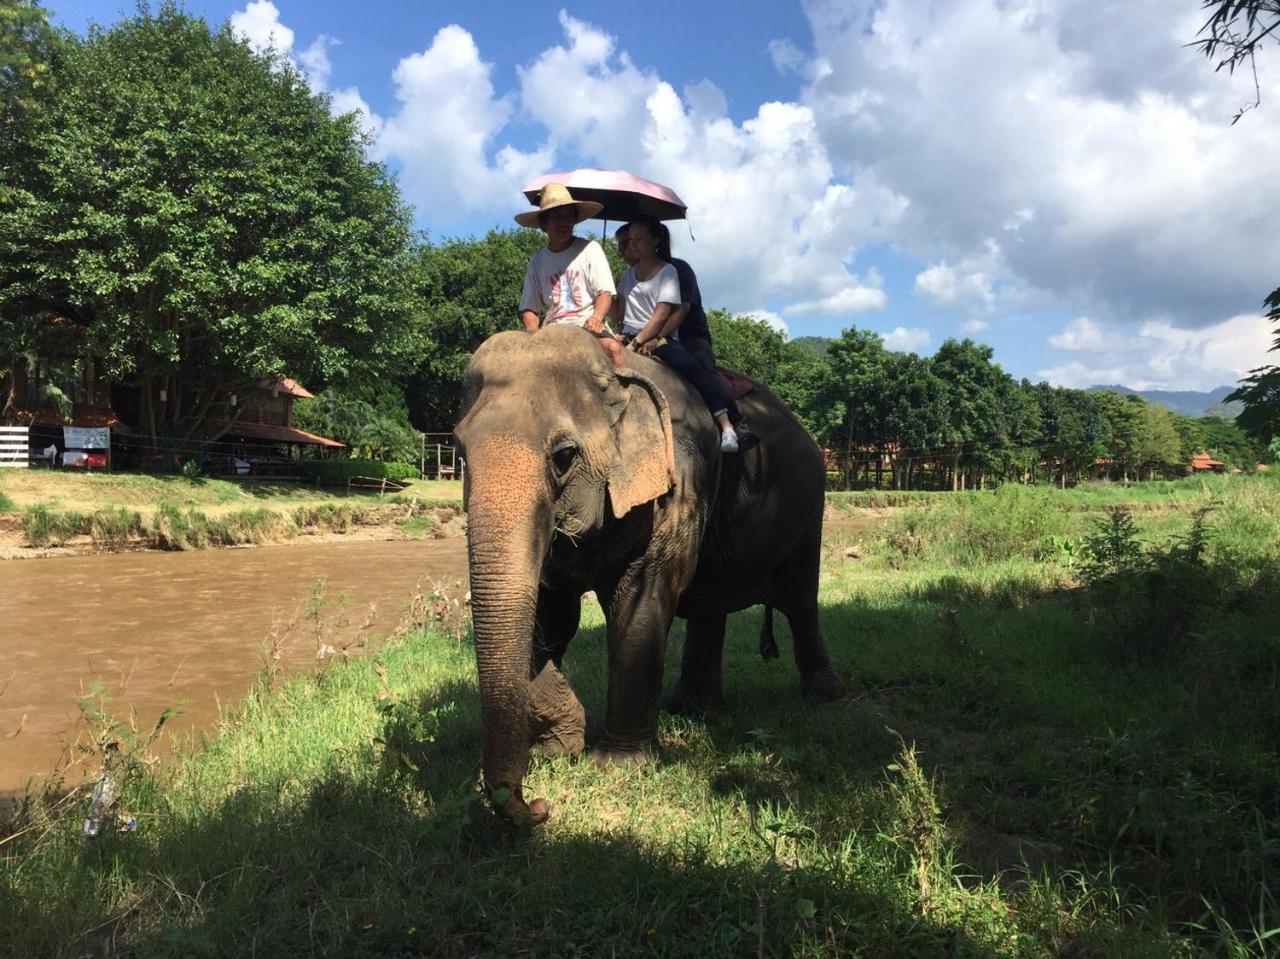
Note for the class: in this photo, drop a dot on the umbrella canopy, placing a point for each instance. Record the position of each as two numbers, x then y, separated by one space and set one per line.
623 195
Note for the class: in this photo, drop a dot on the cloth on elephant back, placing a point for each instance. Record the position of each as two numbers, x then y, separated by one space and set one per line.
739 385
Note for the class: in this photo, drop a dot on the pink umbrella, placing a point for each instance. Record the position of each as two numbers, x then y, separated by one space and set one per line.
624 195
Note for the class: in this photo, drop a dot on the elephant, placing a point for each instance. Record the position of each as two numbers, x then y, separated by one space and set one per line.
579 477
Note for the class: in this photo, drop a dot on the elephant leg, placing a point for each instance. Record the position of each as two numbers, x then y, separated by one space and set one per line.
557 721
797 587
818 677
700 686
555 623
639 612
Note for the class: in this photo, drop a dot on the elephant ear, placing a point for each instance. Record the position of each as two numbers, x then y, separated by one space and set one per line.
645 466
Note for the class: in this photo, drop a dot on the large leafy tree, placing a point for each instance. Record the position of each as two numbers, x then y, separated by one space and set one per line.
193 206
914 415
1073 429
466 291
976 388
858 362
28 50
1125 420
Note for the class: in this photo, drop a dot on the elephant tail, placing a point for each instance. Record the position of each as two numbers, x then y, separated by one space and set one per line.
768 645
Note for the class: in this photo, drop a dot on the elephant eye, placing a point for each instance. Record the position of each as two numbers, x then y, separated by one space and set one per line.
562 458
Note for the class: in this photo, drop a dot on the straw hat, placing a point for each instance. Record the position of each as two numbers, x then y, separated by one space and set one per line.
552 196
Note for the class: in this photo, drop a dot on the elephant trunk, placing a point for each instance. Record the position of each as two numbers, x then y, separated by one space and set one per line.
509 531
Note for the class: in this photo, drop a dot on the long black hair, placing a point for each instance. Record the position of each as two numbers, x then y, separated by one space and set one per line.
658 230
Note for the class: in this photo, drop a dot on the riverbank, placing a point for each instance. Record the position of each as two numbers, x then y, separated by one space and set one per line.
51 513
1060 739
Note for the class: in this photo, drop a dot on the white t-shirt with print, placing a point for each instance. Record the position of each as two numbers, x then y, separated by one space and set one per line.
643 296
564 285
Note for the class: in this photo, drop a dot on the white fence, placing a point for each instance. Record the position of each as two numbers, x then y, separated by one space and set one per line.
14 446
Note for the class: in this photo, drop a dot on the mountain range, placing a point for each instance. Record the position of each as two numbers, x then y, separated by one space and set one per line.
1186 402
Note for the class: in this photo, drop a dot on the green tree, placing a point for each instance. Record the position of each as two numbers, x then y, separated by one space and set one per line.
28 49
747 345
466 290
1226 441
975 386
1022 432
804 382
1073 429
195 208
369 431
1158 446
913 418
1124 418
858 361
1260 390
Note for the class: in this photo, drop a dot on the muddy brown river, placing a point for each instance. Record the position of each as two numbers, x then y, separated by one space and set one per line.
156 628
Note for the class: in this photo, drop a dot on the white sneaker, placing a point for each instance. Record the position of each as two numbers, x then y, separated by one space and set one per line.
728 442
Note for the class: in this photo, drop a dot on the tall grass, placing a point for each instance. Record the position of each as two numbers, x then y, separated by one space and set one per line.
6 504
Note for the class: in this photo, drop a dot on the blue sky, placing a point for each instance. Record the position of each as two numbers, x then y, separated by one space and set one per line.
1069 192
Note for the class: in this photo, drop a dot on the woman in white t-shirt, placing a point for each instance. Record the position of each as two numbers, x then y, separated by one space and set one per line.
647 294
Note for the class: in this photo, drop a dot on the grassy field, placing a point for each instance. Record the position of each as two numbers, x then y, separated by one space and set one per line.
114 510
1061 740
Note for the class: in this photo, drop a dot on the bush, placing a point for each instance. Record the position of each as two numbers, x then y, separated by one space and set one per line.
338 472
172 528
43 527
114 527
335 517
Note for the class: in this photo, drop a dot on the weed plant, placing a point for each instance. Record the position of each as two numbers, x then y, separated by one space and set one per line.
45 527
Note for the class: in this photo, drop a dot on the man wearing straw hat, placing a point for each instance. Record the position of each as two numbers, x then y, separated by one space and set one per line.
568 280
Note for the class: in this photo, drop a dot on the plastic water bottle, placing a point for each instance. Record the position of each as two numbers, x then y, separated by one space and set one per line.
104 795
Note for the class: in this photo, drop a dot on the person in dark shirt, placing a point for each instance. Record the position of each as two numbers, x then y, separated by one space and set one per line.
691 319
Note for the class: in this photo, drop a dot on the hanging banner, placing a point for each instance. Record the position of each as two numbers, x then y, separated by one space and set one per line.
86 437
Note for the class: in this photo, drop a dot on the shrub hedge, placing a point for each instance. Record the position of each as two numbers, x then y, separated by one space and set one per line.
337 472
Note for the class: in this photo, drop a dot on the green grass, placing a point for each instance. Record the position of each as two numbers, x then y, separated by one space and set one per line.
6 504
1010 776
169 526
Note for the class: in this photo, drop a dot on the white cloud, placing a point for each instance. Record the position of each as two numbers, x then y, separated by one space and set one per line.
770 317
445 127
786 56
851 299
1083 334
970 283
590 101
1162 355
1023 156
905 340
1101 157
259 24
772 222
315 62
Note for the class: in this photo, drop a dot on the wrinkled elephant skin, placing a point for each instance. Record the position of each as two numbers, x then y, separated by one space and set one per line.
581 477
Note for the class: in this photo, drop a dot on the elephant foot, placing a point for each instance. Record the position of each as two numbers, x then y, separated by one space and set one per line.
509 805
557 721
824 685
619 753
685 701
